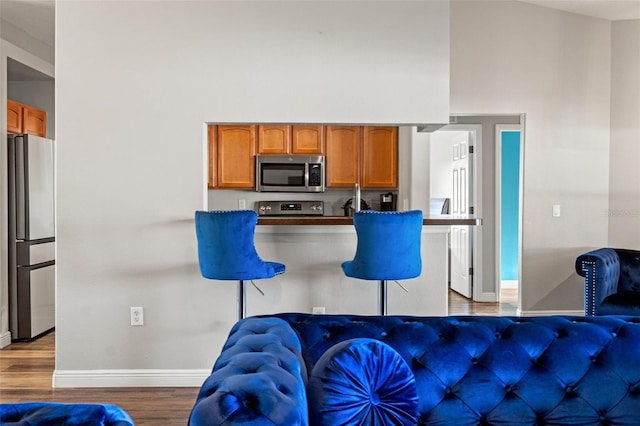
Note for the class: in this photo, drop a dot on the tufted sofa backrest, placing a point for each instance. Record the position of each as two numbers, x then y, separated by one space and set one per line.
500 370
629 279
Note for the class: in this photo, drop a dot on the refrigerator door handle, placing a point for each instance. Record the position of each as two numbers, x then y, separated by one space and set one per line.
20 185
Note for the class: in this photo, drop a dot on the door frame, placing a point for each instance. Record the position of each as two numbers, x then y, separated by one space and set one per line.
499 129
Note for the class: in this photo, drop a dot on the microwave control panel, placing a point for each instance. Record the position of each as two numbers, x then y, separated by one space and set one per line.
290 208
315 174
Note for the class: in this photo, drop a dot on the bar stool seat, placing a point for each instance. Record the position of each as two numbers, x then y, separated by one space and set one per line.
226 250
388 249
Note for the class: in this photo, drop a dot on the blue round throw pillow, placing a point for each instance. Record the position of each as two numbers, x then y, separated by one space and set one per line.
362 382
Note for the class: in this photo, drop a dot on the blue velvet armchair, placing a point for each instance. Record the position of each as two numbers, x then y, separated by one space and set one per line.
611 281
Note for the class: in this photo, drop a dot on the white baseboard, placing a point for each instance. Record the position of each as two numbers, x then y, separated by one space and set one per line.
486 297
550 313
129 378
5 339
509 284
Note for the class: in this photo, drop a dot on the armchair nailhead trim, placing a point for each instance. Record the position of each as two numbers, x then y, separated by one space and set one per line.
589 268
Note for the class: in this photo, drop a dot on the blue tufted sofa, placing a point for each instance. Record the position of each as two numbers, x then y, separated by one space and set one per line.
299 369
60 414
611 281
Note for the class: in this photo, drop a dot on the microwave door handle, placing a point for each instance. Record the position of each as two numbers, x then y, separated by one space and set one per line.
306 174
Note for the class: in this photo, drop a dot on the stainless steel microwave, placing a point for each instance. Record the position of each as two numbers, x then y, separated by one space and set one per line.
290 173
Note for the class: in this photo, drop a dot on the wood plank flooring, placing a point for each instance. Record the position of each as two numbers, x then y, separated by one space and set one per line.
507 306
26 369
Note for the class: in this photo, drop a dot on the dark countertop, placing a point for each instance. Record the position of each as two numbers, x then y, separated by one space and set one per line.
445 220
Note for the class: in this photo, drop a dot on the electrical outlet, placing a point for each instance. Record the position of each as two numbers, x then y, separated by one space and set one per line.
137 315
318 310
555 211
242 204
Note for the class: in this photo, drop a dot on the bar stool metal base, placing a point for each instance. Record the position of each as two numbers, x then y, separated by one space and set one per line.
382 297
241 301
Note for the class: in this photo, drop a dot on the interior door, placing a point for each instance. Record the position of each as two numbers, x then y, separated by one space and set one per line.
461 243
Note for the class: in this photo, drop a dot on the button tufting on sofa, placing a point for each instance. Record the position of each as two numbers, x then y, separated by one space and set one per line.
543 370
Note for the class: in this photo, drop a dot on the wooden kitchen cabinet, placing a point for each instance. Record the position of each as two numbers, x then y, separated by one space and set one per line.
379 157
23 118
307 139
14 116
234 148
342 148
367 155
290 139
274 139
34 122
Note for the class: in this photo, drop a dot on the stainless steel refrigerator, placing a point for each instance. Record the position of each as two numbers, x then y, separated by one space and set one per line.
31 236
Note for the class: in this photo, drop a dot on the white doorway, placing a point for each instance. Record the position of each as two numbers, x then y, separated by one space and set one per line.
453 162
485 239
462 170
509 160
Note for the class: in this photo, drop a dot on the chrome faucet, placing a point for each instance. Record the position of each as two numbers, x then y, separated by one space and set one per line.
356 197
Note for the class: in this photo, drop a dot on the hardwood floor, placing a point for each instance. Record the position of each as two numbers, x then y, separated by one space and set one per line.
508 305
25 375
26 370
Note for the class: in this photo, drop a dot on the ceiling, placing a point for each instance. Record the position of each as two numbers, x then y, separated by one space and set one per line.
37 17
612 10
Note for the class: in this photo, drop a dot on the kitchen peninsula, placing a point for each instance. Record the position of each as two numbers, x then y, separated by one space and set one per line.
313 249
443 220
314 238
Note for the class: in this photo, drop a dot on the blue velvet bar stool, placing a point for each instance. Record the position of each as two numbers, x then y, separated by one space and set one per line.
226 250
388 249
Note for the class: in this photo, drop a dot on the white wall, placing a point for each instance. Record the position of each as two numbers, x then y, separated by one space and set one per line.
413 176
440 164
512 57
624 193
131 130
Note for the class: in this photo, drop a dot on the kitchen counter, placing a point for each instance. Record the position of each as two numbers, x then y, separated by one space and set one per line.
313 249
445 220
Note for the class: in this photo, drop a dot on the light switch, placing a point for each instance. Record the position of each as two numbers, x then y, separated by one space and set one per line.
556 210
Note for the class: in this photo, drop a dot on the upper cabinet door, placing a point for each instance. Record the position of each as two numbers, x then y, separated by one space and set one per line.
236 149
274 139
34 122
14 117
307 139
379 157
342 157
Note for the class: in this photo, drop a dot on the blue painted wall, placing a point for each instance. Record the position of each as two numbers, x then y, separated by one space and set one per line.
509 212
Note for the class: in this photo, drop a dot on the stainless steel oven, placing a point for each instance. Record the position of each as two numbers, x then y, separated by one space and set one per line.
290 208
290 173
